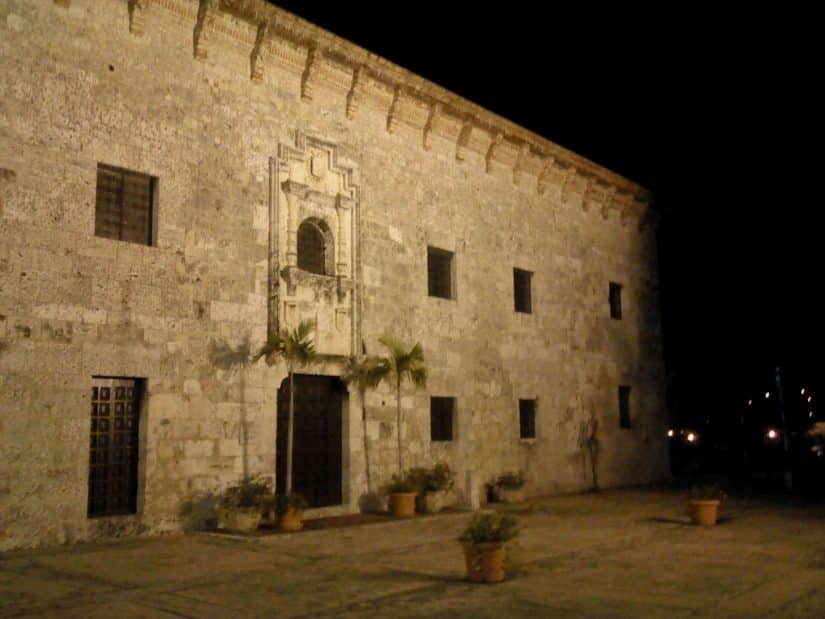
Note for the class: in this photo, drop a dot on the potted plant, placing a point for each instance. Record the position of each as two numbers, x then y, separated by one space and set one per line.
402 492
509 487
290 508
241 505
483 541
433 483
703 505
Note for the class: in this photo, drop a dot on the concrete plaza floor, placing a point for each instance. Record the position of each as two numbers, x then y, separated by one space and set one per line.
624 553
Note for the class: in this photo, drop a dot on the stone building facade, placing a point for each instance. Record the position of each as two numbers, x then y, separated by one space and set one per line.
277 172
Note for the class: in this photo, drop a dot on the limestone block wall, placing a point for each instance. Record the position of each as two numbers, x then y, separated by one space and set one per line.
164 89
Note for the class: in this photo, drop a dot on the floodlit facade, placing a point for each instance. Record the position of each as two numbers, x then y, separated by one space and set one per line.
179 178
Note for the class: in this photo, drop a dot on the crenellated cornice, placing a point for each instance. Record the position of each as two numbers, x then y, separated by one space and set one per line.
365 80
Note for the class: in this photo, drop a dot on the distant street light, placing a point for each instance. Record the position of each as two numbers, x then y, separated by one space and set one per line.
670 433
767 395
803 391
772 434
690 437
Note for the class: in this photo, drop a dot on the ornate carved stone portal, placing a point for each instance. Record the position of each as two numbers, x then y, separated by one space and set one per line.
309 182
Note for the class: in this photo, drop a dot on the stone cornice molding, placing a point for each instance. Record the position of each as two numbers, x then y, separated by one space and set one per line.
204 27
137 16
256 58
363 78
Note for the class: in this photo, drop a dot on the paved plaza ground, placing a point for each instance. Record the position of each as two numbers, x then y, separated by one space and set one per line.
624 553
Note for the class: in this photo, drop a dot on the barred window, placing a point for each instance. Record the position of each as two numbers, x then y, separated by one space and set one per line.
125 205
311 248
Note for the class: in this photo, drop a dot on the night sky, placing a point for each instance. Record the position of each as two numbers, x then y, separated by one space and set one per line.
712 112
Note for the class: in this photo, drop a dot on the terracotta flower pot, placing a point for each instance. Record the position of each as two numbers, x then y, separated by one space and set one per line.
291 520
402 504
484 561
241 520
703 512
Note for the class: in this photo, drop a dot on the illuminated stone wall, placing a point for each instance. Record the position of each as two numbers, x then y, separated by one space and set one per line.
253 120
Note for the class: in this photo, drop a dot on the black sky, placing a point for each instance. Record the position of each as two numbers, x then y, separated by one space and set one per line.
716 112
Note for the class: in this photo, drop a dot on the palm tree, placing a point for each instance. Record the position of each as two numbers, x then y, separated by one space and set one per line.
297 349
363 373
400 364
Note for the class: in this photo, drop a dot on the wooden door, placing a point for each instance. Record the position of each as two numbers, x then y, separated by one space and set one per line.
113 457
316 460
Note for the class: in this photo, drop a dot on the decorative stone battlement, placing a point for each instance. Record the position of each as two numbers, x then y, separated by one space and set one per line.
364 79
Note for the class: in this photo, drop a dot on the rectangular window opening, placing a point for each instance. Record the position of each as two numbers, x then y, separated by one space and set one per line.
442 411
522 281
440 273
527 418
624 406
125 205
615 301
113 447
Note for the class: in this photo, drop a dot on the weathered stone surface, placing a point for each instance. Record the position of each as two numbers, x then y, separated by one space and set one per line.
230 153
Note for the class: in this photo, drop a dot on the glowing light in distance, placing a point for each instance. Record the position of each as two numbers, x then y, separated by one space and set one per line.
691 437
772 433
767 395
670 432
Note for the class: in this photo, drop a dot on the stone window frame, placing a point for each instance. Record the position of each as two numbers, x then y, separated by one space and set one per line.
326 235
436 272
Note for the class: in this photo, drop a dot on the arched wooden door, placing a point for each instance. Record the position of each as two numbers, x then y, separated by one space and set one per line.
316 458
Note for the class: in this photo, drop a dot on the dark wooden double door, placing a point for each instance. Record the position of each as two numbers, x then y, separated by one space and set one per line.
316 458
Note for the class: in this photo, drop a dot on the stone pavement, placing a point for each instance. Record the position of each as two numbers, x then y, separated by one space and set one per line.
627 553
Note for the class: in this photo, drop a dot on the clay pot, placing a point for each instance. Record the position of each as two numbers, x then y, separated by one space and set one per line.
402 504
484 561
703 512
433 502
240 520
291 520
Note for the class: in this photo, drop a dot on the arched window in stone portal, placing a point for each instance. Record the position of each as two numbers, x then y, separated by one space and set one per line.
315 250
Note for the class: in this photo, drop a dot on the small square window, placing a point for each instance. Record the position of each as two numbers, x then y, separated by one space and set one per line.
527 418
440 273
125 205
441 419
522 281
615 301
624 406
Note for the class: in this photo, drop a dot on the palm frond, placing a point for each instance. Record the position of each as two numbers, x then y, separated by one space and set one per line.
403 363
418 376
366 372
294 346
